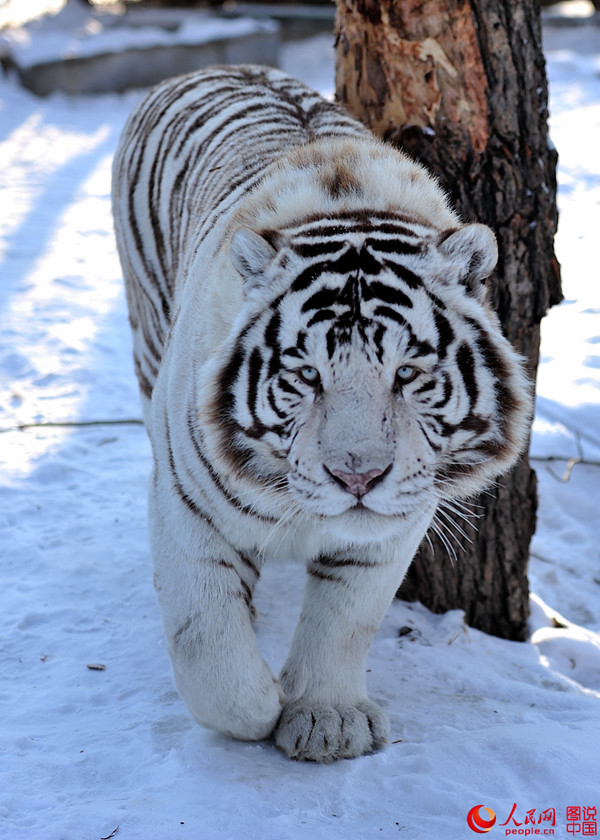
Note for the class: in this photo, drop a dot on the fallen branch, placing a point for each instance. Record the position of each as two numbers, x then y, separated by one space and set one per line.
67 424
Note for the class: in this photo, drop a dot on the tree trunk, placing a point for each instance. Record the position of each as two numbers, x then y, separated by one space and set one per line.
461 86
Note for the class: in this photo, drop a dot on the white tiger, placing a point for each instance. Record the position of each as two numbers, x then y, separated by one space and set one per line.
320 372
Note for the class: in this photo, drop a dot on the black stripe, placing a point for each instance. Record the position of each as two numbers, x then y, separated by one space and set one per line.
271 339
393 246
367 263
346 264
321 299
378 341
134 229
156 181
271 398
421 348
292 351
506 399
427 435
301 341
289 389
466 366
145 385
227 379
307 277
384 225
323 315
248 562
387 312
343 562
445 333
388 294
255 366
348 221
177 485
331 578
215 478
310 250
427 386
411 279
331 342
448 391
246 593
475 423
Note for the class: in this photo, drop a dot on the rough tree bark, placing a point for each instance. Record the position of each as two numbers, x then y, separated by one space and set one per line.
461 86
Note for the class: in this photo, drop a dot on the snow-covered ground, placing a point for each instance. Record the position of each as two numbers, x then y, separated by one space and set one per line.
94 738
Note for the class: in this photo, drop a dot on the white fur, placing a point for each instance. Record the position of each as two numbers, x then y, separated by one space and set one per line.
285 502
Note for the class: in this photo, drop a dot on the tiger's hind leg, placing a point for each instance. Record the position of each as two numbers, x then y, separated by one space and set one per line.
207 616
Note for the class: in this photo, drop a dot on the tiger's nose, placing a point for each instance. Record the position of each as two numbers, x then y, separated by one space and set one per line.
359 484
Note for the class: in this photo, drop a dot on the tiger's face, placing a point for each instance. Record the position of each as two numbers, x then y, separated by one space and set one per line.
369 380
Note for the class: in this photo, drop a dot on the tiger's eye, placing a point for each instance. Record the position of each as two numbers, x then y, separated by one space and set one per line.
406 374
310 375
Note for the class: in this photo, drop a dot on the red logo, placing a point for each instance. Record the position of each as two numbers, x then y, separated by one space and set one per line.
478 823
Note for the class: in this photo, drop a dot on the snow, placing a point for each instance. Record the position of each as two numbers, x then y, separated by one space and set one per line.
87 750
100 34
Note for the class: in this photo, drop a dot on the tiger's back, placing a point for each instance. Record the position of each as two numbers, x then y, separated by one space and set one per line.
186 158
321 375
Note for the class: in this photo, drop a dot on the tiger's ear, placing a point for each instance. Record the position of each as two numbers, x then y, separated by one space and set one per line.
474 252
250 254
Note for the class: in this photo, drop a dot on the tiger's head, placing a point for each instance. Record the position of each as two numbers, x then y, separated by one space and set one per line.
366 378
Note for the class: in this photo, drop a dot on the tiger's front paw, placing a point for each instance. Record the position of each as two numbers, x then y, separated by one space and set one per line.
316 732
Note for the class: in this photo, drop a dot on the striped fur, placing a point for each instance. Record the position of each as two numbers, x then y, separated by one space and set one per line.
320 374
